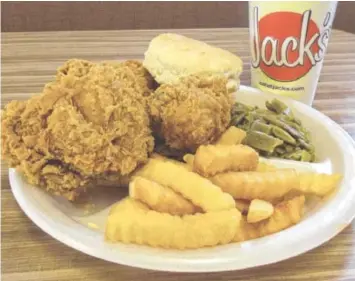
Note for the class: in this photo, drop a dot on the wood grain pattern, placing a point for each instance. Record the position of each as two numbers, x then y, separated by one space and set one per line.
27 16
29 60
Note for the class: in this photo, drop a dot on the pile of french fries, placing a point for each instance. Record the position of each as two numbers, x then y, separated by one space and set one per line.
222 194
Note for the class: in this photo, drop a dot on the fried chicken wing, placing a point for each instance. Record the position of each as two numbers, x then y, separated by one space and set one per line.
193 112
90 121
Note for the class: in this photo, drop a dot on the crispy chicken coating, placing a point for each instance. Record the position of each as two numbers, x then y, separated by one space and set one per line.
193 112
90 121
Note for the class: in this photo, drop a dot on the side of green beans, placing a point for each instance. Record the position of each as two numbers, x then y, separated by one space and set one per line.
283 135
274 131
275 121
261 127
262 141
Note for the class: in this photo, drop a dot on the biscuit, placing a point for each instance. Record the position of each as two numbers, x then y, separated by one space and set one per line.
172 56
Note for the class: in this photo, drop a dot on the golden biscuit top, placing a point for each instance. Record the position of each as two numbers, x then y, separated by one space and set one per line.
172 56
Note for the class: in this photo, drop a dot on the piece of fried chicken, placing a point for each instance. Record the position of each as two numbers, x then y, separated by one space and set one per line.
193 112
91 121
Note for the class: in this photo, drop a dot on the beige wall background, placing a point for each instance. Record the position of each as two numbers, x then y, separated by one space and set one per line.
49 16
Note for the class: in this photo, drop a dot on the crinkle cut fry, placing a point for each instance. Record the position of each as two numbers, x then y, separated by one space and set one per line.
189 159
131 221
268 186
242 205
200 191
158 156
259 210
318 184
286 214
231 136
210 160
160 198
265 167
262 166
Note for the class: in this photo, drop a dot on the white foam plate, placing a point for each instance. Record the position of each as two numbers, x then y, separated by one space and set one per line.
336 153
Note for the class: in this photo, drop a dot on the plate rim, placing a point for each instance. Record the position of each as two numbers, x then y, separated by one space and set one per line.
348 216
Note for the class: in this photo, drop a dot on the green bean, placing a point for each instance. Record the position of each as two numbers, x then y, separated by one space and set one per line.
283 135
262 141
306 156
289 148
236 111
265 153
305 134
243 106
295 156
250 118
237 119
313 157
255 115
306 145
276 106
297 121
269 106
280 150
291 123
244 124
274 131
264 111
273 120
260 127
248 121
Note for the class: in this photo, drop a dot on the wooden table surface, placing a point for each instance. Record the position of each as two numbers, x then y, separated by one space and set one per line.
29 60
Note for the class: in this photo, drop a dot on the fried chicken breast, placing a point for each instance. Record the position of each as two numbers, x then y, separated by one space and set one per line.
195 111
22 124
91 120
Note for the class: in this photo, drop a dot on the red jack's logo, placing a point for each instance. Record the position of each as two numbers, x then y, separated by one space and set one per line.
287 45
